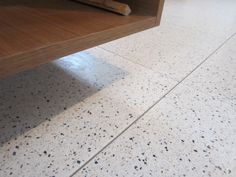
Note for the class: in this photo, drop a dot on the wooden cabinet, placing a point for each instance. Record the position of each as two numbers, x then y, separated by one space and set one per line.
34 32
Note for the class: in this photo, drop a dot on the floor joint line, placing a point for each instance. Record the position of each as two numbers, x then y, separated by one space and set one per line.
145 112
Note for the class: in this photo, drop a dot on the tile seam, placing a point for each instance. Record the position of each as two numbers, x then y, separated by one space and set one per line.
150 108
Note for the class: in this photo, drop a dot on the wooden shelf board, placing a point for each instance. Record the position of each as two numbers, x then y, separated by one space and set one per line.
36 32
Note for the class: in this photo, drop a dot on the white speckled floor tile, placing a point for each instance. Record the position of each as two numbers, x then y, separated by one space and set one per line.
57 116
217 77
189 32
216 17
205 120
170 50
186 134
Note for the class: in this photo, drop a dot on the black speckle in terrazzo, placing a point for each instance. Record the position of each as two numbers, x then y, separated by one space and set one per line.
78 161
132 138
131 116
89 112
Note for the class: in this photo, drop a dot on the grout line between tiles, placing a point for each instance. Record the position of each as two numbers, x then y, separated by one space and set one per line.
126 58
145 112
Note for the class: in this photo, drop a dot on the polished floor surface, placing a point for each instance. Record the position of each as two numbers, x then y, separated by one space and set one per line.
157 103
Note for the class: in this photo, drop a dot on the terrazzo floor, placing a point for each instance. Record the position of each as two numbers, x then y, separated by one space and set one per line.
157 103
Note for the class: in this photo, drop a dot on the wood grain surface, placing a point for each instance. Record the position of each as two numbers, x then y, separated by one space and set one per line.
35 32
